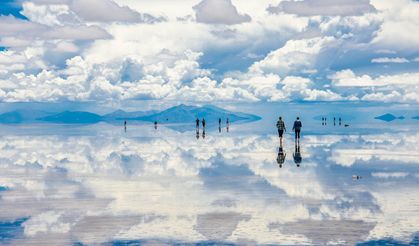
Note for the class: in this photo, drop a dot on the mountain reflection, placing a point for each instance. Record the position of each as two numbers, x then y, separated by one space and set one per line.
228 188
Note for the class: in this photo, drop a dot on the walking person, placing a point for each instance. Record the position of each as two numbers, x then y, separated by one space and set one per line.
203 123
219 122
228 124
281 127
297 129
125 126
297 154
280 159
197 124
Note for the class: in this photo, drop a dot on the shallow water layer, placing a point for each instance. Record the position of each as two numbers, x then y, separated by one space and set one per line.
97 184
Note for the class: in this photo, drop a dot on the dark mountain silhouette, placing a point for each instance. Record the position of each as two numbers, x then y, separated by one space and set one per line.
21 115
73 117
388 117
188 114
415 118
122 115
177 114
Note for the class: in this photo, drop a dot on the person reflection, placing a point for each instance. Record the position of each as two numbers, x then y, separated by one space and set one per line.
125 126
155 125
297 154
197 133
219 129
281 155
203 133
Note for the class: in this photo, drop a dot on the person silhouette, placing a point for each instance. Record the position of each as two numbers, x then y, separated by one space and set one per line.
203 123
281 128
125 126
322 121
280 159
228 124
219 122
340 121
297 128
155 125
219 129
334 121
197 134
203 133
197 123
297 154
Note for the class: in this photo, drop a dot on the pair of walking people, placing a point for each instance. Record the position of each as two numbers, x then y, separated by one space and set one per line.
296 128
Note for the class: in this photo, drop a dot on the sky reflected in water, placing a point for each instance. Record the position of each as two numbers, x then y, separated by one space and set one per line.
98 184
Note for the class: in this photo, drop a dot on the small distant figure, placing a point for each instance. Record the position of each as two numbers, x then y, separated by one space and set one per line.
346 125
203 123
322 121
281 128
340 121
325 121
219 129
297 128
197 123
155 125
228 124
356 177
197 134
334 121
203 133
280 159
297 155
219 122
125 126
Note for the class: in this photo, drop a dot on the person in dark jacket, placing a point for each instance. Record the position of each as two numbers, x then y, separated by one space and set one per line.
297 128
297 155
197 123
203 123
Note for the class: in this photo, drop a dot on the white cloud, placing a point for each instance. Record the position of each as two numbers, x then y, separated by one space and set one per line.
323 7
219 12
389 60
348 78
295 55
386 175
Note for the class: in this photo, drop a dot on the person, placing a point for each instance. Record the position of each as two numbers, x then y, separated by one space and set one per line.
297 128
281 156
281 127
203 123
219 122
197 123
219 129
340 121
297 155
203 133
197 133
228 124
125 125
334 121
155 125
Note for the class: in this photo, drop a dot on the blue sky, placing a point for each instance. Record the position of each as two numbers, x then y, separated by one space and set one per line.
209 51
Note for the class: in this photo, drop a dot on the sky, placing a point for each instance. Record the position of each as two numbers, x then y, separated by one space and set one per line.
209 51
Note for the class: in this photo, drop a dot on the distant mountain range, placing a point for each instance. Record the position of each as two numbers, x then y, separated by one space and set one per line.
178 114
388 117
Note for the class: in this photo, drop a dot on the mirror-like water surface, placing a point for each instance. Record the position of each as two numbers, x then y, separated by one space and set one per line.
97 184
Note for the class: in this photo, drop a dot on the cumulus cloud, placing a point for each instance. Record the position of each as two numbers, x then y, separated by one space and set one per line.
13 27
295 55
219 12
349 78
323 7
108 11
389 60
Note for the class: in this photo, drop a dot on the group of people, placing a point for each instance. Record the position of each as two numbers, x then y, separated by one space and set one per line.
203 122
281 130
324 121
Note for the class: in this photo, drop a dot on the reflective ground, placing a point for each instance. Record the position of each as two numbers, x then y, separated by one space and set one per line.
97 184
